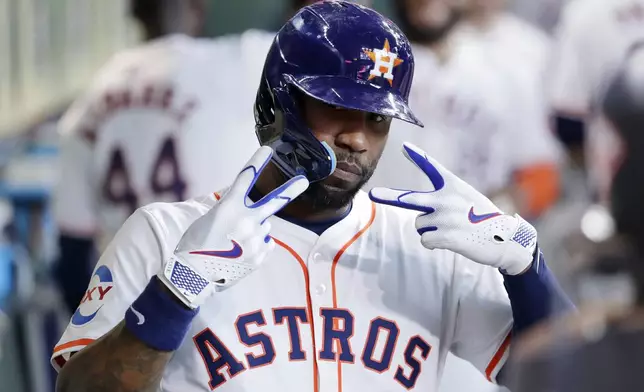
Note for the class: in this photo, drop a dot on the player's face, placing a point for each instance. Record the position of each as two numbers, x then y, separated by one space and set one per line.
358 140
431 20
188 16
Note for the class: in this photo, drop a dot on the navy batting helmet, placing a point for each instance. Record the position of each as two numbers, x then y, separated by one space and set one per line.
340 53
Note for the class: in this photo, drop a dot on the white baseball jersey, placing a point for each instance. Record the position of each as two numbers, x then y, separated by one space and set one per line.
164 121
478 122
362 307
514 43
543 13
592 40
522 51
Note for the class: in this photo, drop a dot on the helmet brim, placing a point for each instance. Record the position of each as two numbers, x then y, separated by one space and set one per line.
356 95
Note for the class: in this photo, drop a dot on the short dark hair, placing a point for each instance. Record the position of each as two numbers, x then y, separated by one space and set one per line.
146 10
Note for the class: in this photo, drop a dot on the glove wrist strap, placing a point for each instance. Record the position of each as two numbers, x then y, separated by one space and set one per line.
158 319
185 282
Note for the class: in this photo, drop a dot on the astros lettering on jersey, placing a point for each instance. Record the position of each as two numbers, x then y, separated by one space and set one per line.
321 311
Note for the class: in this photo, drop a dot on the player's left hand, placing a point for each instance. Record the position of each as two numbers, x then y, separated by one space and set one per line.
455 216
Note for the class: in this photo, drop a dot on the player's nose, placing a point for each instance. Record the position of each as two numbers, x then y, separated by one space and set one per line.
353 135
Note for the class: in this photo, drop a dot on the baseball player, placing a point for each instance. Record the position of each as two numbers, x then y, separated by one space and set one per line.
144 128
480 123
563 356
517 47
592 38
294 279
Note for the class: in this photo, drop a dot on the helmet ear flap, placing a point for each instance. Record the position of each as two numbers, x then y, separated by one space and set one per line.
269 112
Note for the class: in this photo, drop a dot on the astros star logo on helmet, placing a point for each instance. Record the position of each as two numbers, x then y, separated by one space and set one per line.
384 62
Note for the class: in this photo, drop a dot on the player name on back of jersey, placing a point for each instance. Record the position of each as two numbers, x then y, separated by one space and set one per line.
385 344
161 98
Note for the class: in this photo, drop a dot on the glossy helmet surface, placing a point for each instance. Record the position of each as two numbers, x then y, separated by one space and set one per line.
338 52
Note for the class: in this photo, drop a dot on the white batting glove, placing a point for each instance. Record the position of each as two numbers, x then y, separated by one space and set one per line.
457 217
231 240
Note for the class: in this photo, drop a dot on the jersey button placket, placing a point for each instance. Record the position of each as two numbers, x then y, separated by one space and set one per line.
319 266
319 275
320 289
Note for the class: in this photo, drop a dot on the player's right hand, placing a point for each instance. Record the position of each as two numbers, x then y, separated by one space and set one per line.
230 241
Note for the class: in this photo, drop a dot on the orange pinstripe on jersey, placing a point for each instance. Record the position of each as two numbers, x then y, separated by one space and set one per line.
497 357
59 360
336 259
309 307
73 343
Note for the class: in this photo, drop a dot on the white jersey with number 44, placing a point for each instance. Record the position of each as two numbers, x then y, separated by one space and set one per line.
362 307
164 121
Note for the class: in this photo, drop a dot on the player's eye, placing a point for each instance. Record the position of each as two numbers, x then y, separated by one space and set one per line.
334 107
377 118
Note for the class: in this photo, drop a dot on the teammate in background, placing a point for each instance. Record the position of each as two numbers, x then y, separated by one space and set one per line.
510 36
346 296
564 356
480 122
143 130
591 40
518 48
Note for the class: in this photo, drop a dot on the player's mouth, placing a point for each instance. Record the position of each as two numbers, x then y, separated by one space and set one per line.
347 172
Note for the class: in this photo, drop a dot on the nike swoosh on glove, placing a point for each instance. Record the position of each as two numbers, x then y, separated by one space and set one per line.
231 240
455 216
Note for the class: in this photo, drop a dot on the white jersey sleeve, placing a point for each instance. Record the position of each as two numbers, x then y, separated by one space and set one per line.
483 319
530 141
74 199
125 268
567 82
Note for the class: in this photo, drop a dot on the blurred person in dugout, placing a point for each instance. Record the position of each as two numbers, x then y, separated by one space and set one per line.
480 120
484 120
143 129
521 48
590 40
602 347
